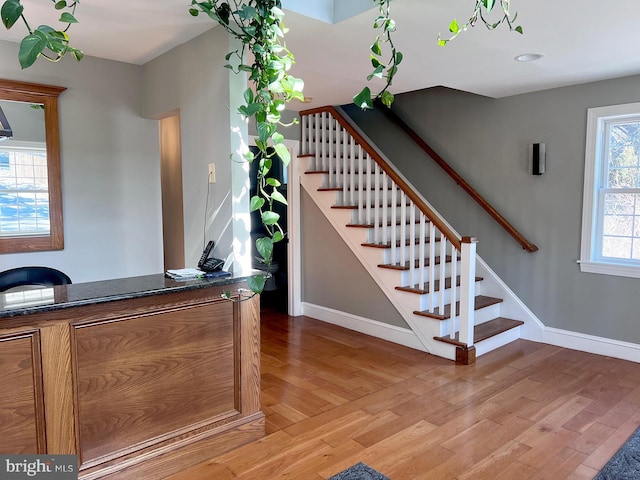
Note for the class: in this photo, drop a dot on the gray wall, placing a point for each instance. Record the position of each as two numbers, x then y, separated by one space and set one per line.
486 140
333 277
110 169
191 79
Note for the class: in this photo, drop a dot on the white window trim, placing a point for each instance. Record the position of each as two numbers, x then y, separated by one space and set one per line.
592 171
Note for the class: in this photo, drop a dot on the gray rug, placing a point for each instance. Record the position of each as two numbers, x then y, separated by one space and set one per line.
625 464
359 471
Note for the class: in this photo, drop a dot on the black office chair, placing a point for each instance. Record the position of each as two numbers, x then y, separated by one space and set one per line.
44 276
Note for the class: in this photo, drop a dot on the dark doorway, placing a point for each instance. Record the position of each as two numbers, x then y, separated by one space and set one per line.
275 294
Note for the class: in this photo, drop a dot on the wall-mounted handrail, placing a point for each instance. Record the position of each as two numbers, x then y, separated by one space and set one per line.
510 229
409 192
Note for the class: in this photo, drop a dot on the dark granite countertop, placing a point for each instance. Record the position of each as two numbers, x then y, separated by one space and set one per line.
45 299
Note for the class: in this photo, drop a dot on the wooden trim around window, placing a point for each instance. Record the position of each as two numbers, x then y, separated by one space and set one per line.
48 96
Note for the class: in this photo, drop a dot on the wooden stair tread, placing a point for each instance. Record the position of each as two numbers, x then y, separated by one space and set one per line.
484 330
436 287
371 225
408 243
480 301
405 265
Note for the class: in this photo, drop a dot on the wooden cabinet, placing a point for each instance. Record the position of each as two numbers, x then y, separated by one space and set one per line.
135 386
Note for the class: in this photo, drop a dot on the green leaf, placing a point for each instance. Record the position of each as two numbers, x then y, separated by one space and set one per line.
194 13
256 203
10 12
454 27
375 62
376 73
277 138
283 153
399 58
387 98
273 182
518 29
248 96
66 17
270 218
375 48
278 197
60 5
30 47
390 26
488 4
442 42
363 99
77 54
256 283
278 236
264 246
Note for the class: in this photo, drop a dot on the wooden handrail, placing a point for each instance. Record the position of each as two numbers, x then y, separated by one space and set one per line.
409 192
511 230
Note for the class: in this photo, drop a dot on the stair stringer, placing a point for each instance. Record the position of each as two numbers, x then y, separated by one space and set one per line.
424 329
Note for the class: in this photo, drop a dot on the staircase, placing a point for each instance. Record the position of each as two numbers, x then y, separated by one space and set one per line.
456 306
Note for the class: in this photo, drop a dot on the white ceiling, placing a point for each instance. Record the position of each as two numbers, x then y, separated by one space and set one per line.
582 40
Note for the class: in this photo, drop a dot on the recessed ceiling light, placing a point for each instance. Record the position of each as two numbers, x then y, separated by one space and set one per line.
528 57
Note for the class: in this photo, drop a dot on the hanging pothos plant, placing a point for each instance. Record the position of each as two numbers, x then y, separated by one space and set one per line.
258 25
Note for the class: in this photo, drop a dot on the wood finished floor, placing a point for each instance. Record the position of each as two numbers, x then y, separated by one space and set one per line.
333 398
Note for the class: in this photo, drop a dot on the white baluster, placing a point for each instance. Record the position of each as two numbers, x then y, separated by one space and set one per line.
442 271
403 227
412 245
385 212
333 164
432 266
423 243
394 224
317 161
377 199
361 192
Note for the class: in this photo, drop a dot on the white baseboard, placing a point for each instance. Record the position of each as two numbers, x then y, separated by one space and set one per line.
592 344
392 333
403 336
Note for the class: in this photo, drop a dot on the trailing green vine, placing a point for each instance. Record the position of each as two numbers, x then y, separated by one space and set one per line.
381 69
44 41
259 26
387 70
481 9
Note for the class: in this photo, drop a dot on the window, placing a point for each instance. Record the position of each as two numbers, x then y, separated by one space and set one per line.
30 176
611 207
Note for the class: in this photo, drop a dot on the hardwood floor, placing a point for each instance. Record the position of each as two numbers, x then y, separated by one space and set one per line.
334 398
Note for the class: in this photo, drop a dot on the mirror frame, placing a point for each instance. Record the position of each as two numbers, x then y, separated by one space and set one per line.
48 96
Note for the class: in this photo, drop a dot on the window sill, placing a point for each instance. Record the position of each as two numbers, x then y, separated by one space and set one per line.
610 269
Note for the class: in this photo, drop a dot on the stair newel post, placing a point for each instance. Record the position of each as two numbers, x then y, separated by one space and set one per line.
467 289
454 291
